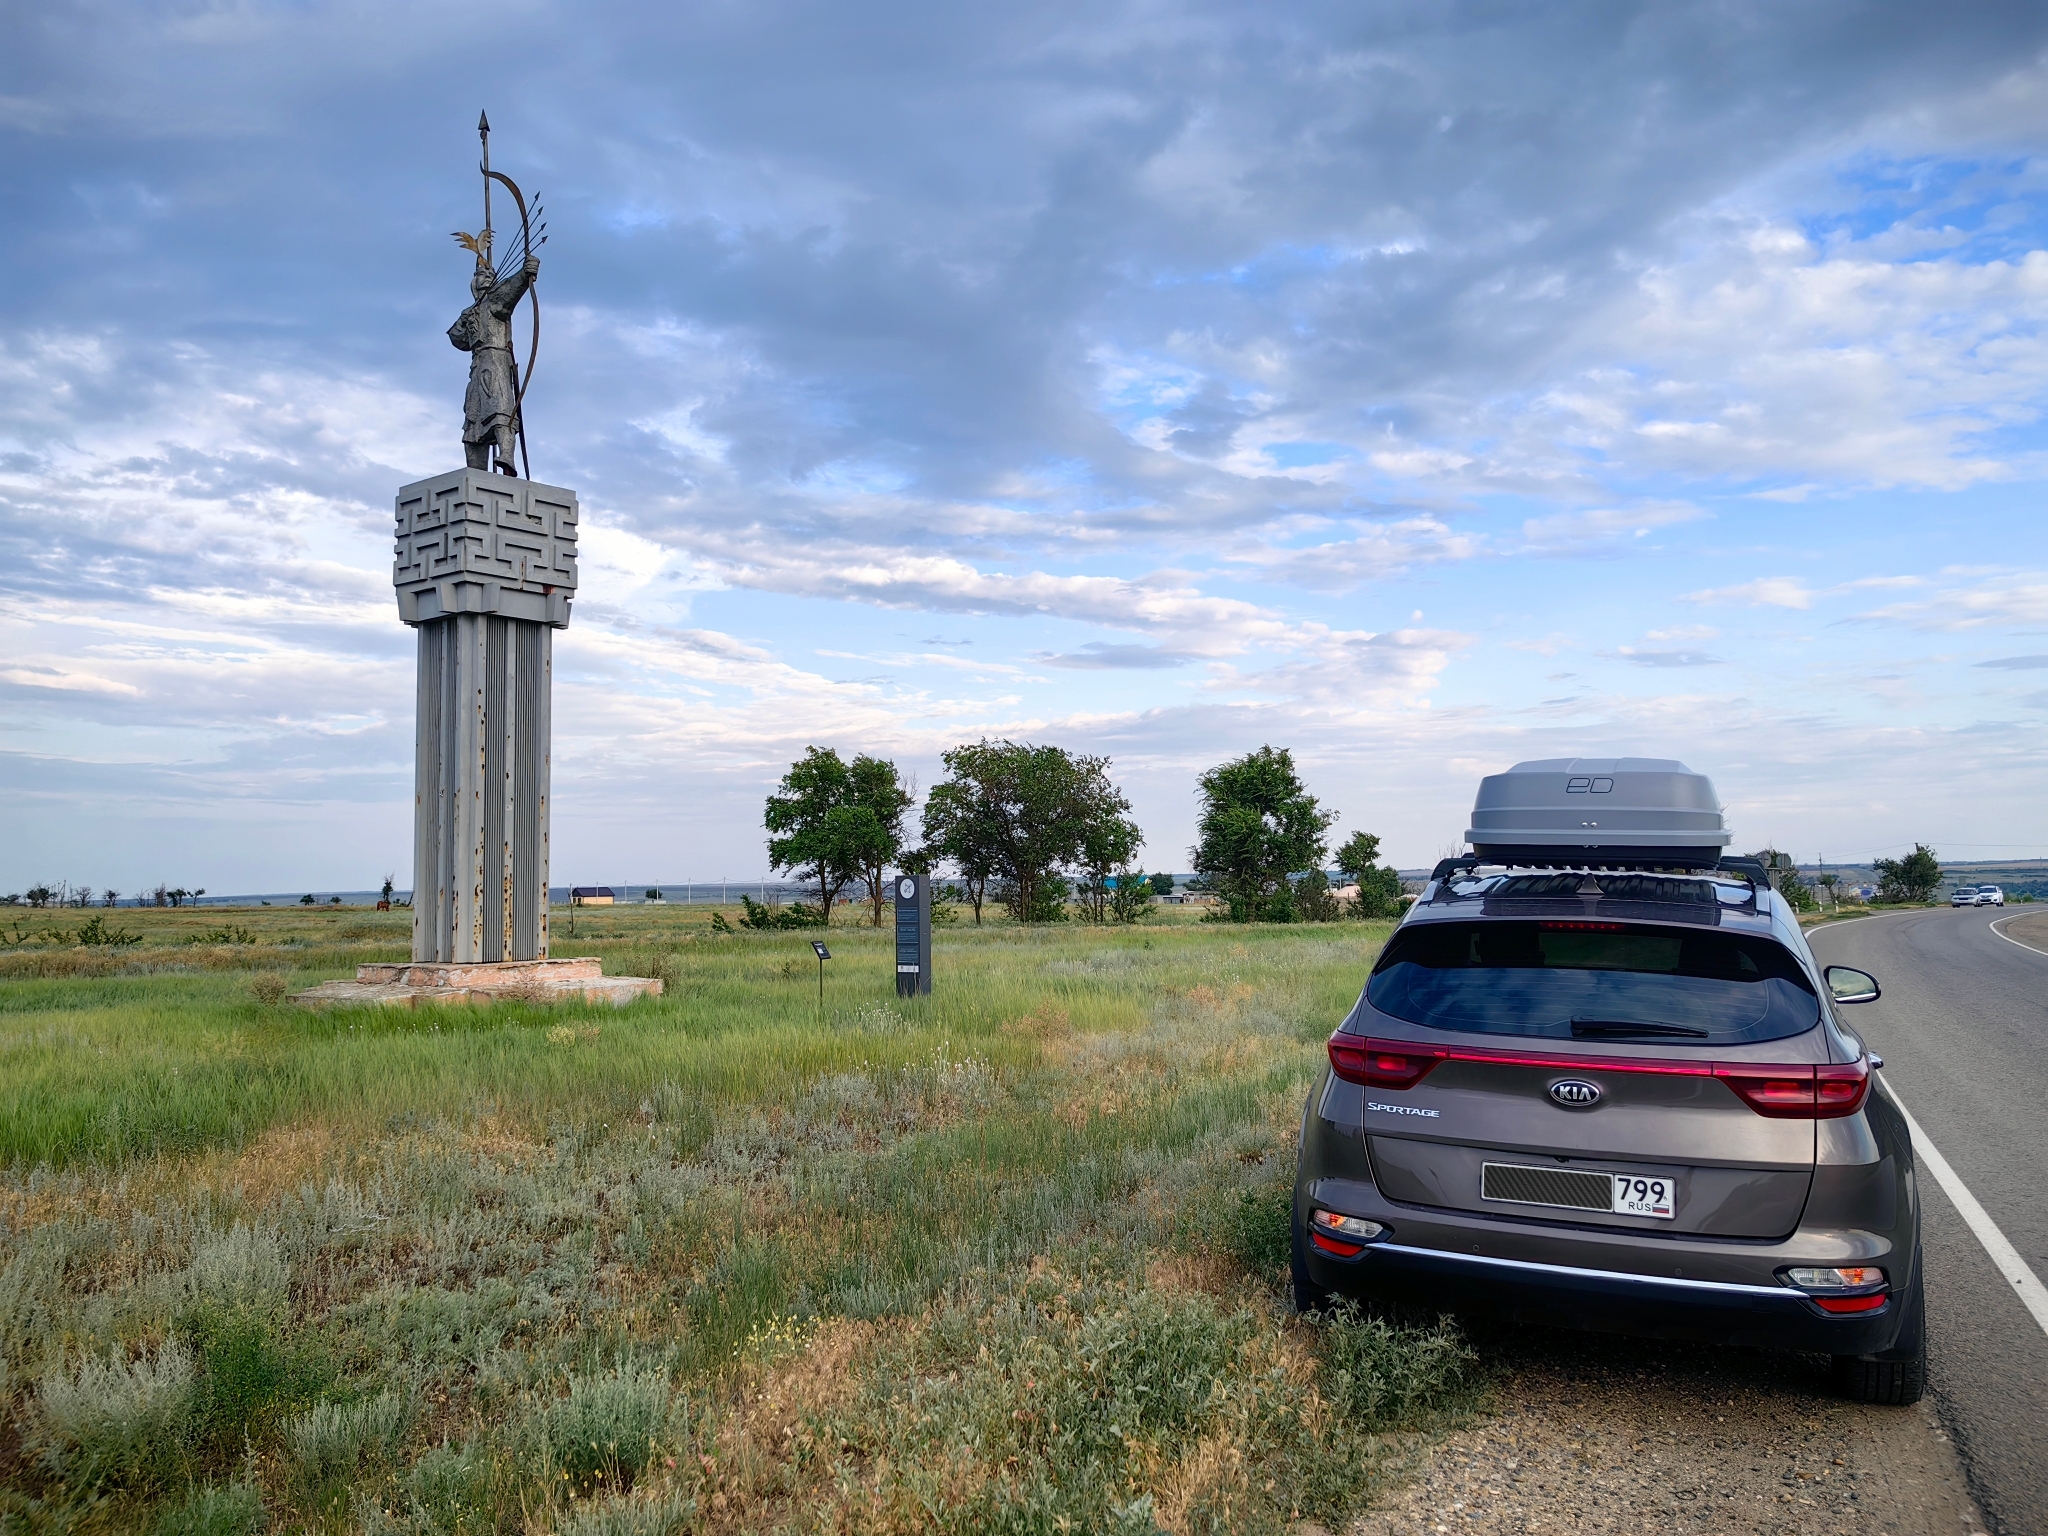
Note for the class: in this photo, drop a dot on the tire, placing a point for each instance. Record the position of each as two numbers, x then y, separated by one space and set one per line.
1898 1376
1308 1296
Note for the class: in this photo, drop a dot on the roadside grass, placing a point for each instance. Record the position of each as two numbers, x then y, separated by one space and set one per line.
1002 1259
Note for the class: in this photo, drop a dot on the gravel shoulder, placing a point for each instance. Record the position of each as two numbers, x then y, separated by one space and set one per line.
2030 928
1600 1434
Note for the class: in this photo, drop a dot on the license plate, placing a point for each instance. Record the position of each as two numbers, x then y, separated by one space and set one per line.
1636 1195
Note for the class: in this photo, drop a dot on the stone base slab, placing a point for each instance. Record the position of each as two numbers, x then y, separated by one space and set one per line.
411 985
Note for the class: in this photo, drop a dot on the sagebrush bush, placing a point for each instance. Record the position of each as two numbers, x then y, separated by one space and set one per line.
239 1270
604 1431
212 1510
330 1440
667 1515
114 1422
1088 1402
451 1490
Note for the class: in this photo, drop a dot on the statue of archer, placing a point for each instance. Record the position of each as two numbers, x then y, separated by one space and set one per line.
492 418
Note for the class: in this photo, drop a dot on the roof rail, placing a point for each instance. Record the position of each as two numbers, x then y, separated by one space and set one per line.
1750 869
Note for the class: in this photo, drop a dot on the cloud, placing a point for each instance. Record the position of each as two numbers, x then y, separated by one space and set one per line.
1577 530
1098 335
2016 663
1097 655
1764 592
2017 599
1665 658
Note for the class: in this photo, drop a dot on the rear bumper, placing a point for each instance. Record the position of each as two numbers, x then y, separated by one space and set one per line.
1604 1301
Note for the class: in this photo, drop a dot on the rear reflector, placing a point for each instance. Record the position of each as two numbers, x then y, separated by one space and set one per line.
1849 1303
1331 1245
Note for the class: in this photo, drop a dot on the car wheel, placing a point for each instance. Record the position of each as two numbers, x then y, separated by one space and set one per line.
1308 1296
1898 1376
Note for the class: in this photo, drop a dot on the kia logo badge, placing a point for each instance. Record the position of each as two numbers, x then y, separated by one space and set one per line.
1575 1093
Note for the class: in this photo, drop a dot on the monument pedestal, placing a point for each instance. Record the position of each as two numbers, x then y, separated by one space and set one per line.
539 981
485 570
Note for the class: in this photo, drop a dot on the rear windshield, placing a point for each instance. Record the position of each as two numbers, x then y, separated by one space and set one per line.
1632 982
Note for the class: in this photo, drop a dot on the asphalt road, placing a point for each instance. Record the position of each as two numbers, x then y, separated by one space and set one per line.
1963 1029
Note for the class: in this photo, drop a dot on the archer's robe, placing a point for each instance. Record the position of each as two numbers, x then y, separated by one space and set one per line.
485 332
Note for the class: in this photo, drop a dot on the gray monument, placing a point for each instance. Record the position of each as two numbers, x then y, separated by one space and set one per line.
485 570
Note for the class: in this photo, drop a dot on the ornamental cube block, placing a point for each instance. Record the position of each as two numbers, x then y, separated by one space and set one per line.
470 541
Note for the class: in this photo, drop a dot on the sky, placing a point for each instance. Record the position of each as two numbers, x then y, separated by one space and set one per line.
1420 387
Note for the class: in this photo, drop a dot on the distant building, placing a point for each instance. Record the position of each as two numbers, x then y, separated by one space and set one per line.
592 896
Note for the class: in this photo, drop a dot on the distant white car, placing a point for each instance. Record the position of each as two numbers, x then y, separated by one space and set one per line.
1990 896
1963 896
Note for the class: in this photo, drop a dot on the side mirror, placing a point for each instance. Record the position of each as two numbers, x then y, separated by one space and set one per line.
1851 986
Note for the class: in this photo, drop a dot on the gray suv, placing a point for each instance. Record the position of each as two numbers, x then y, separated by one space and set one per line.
1592 1093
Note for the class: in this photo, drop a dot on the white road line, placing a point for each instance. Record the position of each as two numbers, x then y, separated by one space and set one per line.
2013 941
2032 1294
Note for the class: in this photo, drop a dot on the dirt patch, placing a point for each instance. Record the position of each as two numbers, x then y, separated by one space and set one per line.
1617 1435
2030 928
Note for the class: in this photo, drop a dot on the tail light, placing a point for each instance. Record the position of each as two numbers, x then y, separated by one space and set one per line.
1845 1291
1800 1093
1381 1063
1341 1236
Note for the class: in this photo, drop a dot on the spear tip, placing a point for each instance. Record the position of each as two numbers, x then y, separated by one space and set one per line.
483 122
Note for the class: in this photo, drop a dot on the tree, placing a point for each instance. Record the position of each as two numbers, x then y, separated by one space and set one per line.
835 822
1162 884
110 897
799 820
960 829
1911 879
1025 815
1258 826
1109 841
40 895
1783 870
1131 899
873 833
1379 885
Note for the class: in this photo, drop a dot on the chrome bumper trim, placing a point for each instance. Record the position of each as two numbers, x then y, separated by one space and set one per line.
1568 1272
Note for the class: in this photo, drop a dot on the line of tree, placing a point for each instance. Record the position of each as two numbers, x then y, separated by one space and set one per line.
1024 825
1046 833
64 894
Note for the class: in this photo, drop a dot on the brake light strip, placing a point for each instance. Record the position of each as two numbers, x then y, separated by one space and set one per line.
1790 1091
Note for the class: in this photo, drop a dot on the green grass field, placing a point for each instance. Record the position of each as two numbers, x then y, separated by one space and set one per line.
1002 1259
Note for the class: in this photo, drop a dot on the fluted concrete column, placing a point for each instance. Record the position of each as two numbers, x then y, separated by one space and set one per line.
485 569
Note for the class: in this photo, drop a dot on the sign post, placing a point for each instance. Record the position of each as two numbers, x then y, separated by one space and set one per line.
913 935
824 954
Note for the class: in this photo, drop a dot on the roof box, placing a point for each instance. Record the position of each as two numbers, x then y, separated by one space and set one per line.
1598 811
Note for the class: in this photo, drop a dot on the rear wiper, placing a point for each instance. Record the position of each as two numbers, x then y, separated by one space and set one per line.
1608 1029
